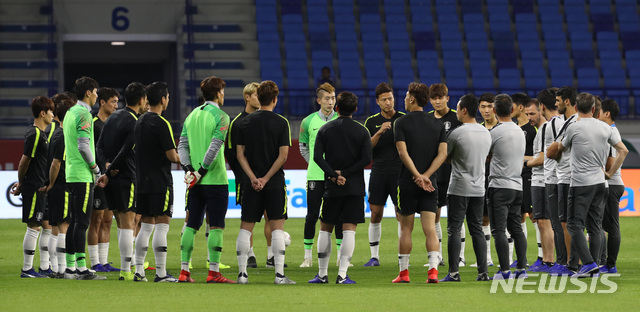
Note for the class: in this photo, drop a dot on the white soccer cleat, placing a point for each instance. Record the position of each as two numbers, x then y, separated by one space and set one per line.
306 263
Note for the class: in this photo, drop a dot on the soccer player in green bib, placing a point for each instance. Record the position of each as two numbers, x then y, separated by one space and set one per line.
315 176
201 140
81 173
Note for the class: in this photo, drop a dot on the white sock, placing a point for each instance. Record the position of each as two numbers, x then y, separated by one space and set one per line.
434 259
53 254
487 236
250 254
277 243
61 249
160 248
375 231
269 251
538 239
510 240
125 244
346 251
403 261
133 249
44 248
324 252
463 238
243 244
103 253
29 247
206 235
399 230
439 235
93 254
308 253
142 246
524 229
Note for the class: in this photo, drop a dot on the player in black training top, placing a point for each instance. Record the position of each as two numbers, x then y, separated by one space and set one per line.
342 150
115 153
230 154
439 99
263 146
58 208
383 181
98 235
422 146
32 172
520 100
155 150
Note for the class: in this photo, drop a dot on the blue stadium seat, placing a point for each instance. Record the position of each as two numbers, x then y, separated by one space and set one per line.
509 79
588 78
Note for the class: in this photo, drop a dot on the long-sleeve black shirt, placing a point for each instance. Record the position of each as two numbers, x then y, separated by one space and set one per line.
343 144
116 143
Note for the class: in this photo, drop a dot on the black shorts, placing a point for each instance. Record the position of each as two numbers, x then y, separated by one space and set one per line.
485 202
271 201
563 199
443 187
214 199
80 199
342 209
99 199
538 200
315 190
58 200
526 196
413 200
238 192
121 196
33 205
381 186
155 204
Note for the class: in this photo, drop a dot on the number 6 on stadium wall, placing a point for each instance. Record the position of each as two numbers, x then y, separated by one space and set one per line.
119 22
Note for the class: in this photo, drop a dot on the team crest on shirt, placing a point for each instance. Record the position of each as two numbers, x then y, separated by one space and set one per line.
447 126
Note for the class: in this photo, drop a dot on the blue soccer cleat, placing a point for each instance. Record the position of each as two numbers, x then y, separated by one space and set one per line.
110 268
373 262
522 274
345 280
31 273
319 280
451 278
501 276
587 270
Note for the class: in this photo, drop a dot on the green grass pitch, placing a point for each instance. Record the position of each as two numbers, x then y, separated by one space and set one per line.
373 291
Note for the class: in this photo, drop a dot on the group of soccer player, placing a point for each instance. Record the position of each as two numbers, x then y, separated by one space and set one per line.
555 159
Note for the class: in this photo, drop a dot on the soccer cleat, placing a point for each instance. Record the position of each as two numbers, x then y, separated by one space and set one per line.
482 277
462 263
372 262
345 280
319 280
439 264
251 262
432 276
139 278
587 270
166 279
68 274
607 270
306 263
126 276
271 263
110 268
403 277
87 275
216 277
537 263
338 263
99 268
545 268
243 278
521 274
57 275
191 265
223 266
560 270
31 273
451 278
48 272
502 276
283 280
185 277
